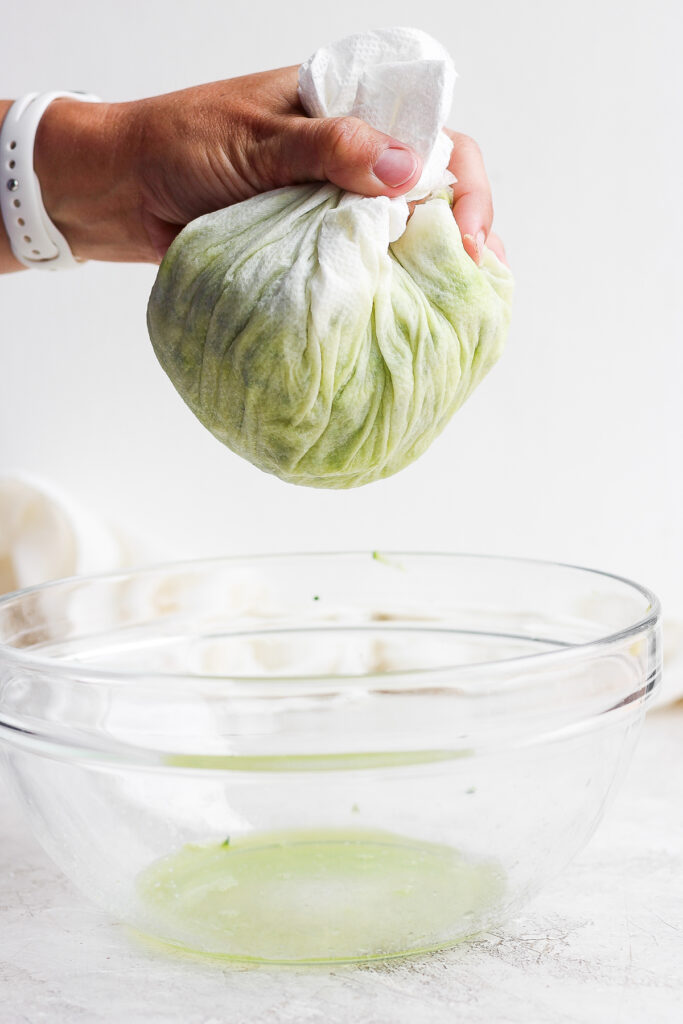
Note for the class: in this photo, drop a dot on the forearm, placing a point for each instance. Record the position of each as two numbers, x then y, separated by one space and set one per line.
84 158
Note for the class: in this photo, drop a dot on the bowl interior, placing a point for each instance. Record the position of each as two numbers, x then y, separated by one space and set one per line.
322 757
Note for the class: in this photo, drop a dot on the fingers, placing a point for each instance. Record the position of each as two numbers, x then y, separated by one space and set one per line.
351 154
357 158
472 206
495 244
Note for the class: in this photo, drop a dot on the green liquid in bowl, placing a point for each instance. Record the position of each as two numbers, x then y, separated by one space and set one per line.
336 894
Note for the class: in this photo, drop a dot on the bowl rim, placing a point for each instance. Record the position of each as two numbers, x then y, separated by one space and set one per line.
23 658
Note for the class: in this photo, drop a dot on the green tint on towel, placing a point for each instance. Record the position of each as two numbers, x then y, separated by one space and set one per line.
313 348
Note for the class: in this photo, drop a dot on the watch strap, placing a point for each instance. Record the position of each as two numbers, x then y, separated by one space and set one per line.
35 240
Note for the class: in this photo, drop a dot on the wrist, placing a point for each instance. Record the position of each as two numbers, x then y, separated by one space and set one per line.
8 261
84 163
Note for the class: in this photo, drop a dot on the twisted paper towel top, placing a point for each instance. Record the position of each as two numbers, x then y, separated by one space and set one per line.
398 80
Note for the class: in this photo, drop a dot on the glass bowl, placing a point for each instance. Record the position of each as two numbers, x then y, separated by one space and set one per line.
322 757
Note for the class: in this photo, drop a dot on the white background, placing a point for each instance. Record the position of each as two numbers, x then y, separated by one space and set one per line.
569 450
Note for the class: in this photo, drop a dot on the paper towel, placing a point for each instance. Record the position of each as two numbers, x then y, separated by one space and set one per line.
398 80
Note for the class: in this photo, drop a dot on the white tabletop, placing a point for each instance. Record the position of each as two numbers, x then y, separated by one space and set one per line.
602 944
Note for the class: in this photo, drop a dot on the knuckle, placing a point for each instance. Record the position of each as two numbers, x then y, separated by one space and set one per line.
481 198
343 139
466 144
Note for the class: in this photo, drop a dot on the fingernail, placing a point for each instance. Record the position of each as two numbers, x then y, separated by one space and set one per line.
477 243
395 167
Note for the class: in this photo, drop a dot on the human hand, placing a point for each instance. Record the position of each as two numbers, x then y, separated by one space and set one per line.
120 180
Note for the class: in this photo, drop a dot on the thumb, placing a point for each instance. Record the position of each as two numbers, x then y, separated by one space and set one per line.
352 155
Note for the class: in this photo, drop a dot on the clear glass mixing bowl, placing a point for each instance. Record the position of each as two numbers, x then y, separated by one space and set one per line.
322 757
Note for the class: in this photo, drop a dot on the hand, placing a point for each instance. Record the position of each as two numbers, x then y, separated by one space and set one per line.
120 180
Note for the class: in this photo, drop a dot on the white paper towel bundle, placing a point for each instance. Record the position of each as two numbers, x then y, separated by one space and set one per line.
398 80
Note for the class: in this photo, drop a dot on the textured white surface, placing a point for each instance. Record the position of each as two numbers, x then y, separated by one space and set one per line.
603 944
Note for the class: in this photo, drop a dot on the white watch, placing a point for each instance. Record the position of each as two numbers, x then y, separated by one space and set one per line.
34 239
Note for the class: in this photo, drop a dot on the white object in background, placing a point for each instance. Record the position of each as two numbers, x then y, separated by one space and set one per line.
45 535
35 240
672 647
398 80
